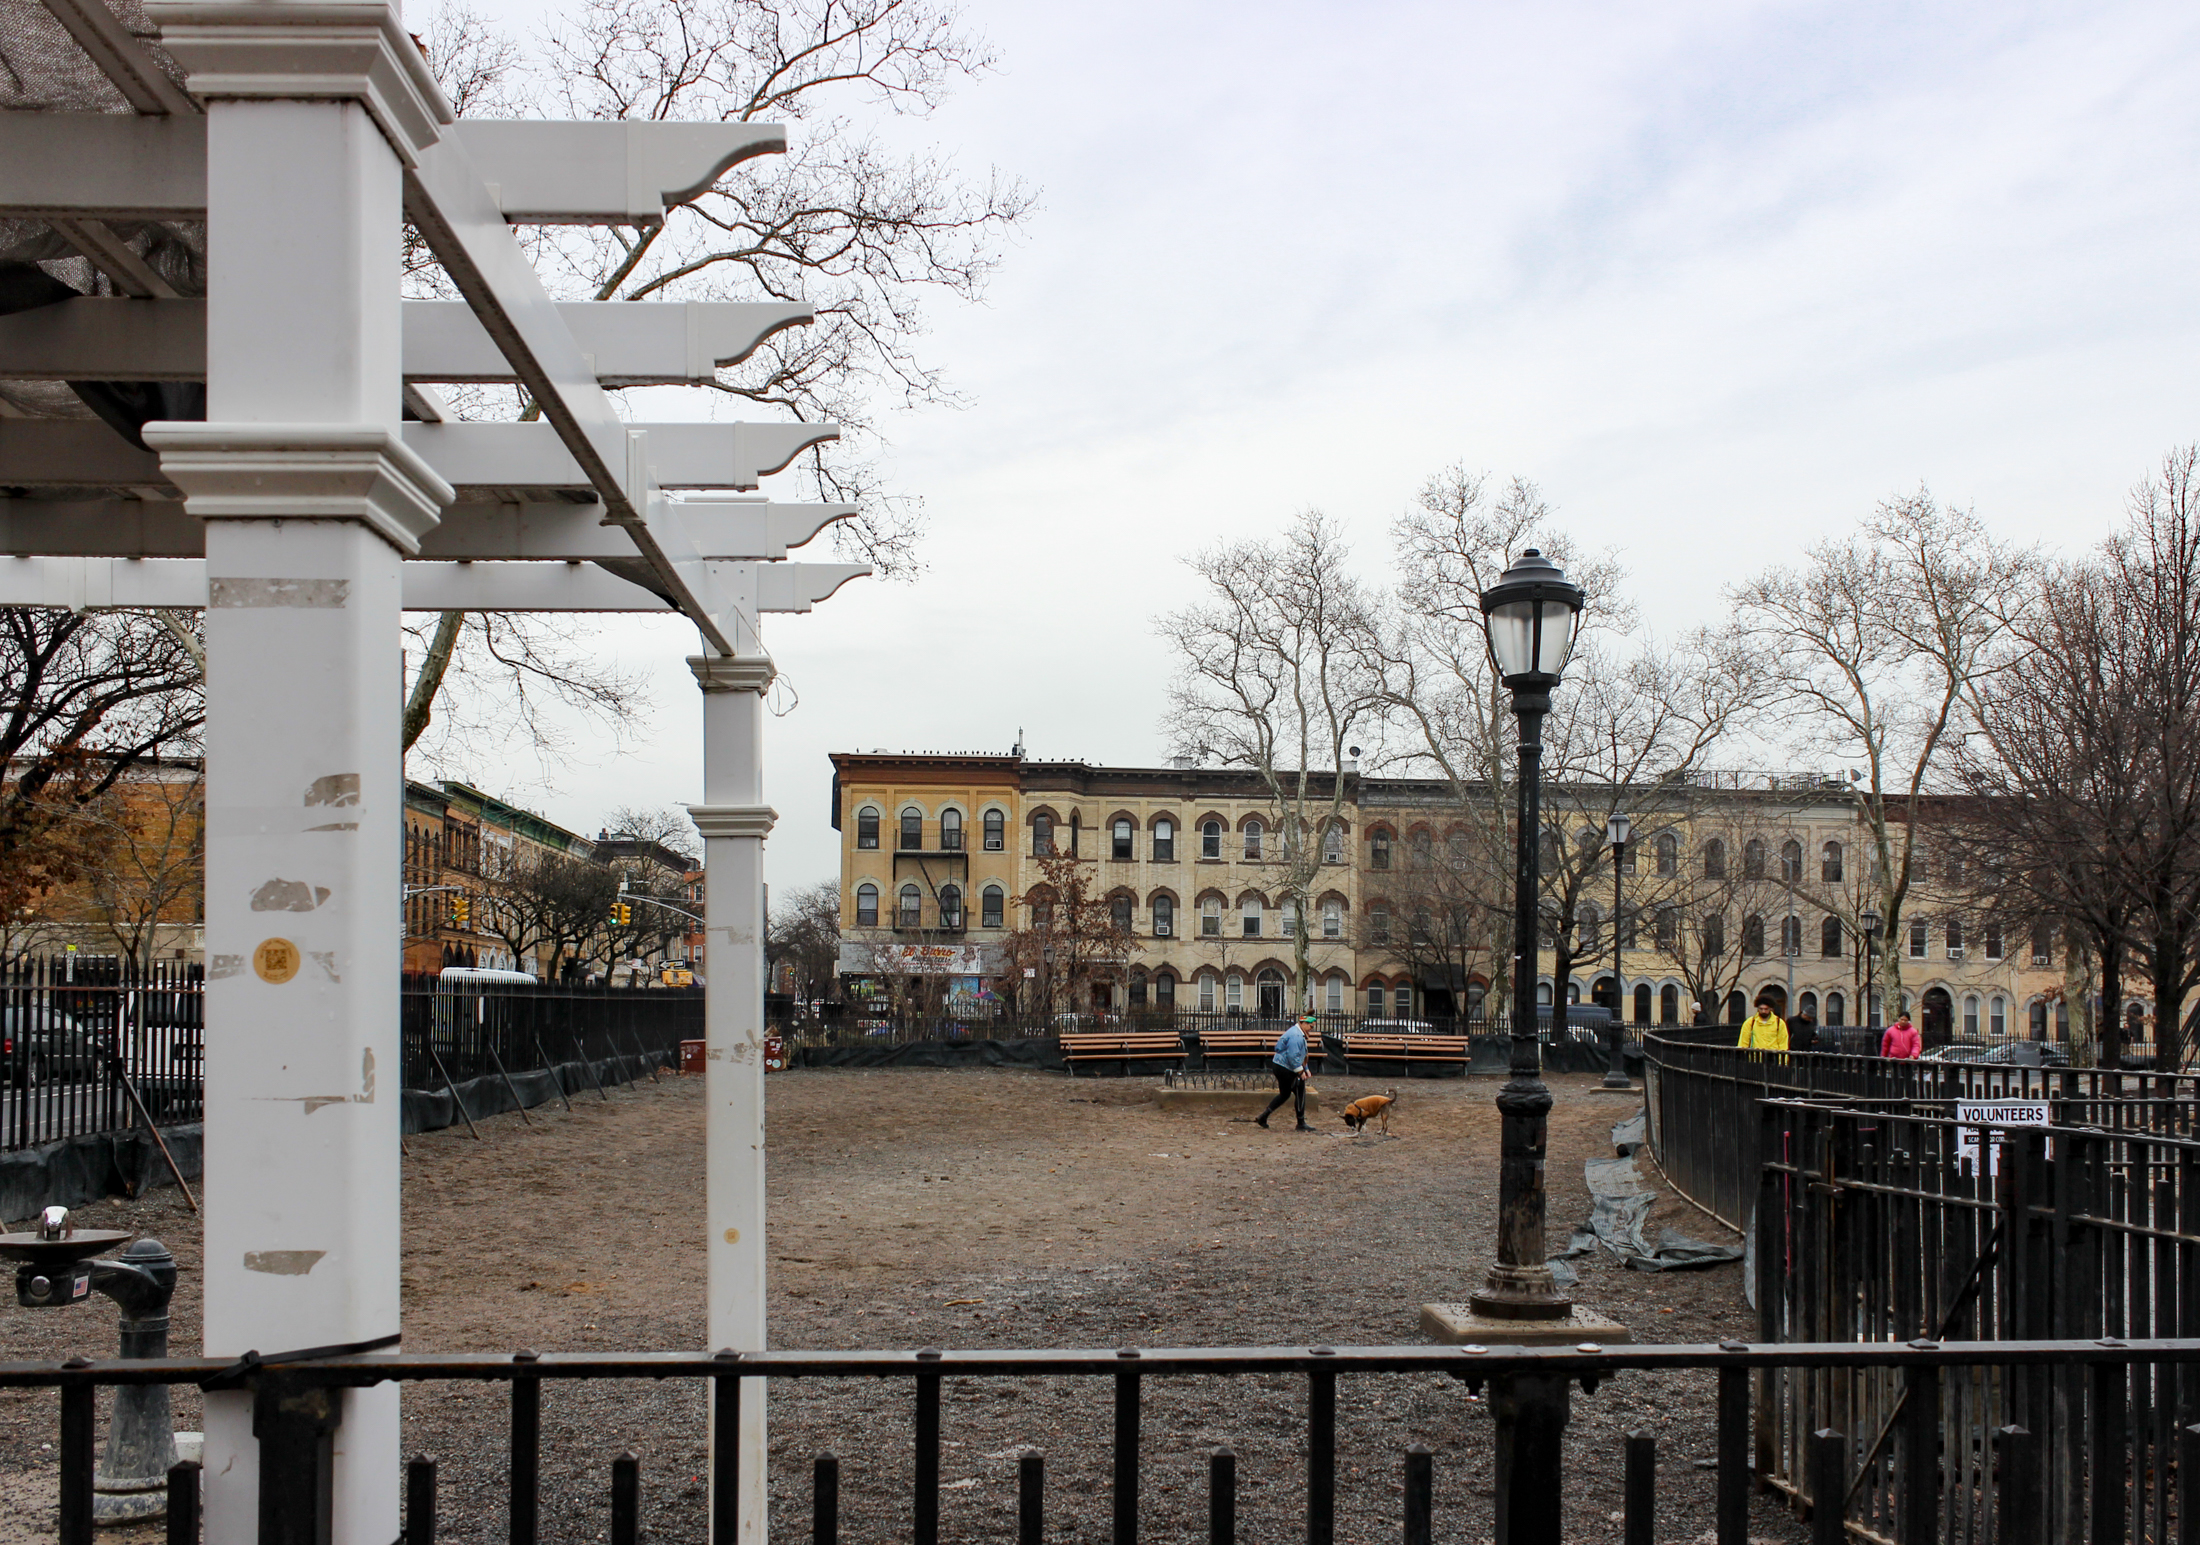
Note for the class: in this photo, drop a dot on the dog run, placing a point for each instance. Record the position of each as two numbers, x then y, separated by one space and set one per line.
983 1208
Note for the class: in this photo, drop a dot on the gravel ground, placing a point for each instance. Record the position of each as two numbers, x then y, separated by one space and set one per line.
973 1209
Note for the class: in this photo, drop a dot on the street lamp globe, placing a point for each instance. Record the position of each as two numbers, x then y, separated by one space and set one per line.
1617 828
1530 613
1870 922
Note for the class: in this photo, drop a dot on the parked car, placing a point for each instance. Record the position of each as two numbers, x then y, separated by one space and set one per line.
2022 1054
1395 1027
36 1047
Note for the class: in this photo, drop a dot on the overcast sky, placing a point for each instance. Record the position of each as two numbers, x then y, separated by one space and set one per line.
1718 276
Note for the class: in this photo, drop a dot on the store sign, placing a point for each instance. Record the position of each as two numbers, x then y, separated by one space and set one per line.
1992 1117
917 959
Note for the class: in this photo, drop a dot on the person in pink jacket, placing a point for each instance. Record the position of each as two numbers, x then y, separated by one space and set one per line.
1901 1039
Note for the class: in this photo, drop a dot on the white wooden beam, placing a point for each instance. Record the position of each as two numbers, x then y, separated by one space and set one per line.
650 344
103 166
109 584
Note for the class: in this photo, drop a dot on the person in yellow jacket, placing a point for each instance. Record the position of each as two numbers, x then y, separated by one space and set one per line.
1764 1030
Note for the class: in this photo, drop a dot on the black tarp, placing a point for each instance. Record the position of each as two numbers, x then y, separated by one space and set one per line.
1032 1052
77 1170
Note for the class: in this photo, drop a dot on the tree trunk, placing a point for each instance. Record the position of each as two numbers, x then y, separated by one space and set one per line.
420 701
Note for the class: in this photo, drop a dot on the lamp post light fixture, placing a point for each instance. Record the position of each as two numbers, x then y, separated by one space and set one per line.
1529 614
1869 922
1617 829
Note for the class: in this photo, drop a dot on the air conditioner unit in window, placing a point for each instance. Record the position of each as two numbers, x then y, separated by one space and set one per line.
1955 952
1161 930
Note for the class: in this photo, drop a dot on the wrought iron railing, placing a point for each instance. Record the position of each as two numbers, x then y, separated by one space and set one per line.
1941 1485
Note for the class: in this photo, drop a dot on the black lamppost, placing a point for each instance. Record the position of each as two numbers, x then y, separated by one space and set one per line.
1529 614
1616 832
1869 922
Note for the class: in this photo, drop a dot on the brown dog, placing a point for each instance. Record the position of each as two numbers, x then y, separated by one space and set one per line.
1371 1107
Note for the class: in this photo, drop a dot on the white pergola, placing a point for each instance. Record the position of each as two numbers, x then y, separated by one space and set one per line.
326 492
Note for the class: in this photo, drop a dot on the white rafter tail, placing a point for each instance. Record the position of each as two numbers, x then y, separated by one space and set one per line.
553 173
425 403
668 343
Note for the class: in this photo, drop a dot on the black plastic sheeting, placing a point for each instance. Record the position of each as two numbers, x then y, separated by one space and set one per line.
431 1110
1031 1052
1619 1206
77 1170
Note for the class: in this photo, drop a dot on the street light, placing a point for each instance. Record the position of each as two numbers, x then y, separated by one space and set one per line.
1869 922
1529 614
1616 831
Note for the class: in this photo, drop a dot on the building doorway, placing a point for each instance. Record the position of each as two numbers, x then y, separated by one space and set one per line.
1936 1016
1271 995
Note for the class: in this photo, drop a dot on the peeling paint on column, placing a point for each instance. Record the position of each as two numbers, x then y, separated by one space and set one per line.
365 1096
335 789
280 895
326 960
283 1263
310 593
223 967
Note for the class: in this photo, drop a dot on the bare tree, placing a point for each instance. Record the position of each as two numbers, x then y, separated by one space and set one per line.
150 834
554 906
804 934
1875 646
1276 672
1070 939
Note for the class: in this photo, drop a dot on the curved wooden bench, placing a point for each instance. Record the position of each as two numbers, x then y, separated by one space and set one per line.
1442 1050
1125 1047
1230 1044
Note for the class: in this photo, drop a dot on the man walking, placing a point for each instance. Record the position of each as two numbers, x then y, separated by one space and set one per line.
1289 1066
1764 1030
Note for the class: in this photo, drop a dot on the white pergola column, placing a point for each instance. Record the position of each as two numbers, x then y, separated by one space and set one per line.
311 500
734 822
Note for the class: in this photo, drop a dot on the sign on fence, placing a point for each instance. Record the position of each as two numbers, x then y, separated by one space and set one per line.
1993 1116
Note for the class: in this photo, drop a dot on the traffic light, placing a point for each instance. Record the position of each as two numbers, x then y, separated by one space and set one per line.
462 910
622 914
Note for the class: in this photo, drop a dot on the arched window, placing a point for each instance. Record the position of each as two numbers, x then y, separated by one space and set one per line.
867 827
912 908
1737 1007
1120 838
1206 992
1791 935
1753 859
1378 924
1378 856
1249 912
1333 997
1791 862
1375 1000
1210 839
1955 938
2039 1020
1042 836
1233 993
1837 1008
912 830
1589 927
1806 1006
1970 1016
2043 944
1138 989
951 908
1288 907
1920 941
1456 844
1993 941
1332 919
1669 1005
1669 856
1417 850
1669 930
996 831
989 903
1997 1018
1714 860
1164 917
951 831
1333 845
1254 831
1543 994
867 906
1076 830
1829 863
1642 1003
1714 934
1164 841
1210 918
1119 913
1829 938
1164 993
1753 935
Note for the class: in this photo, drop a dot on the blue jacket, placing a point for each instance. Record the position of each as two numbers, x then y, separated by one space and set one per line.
1291 1049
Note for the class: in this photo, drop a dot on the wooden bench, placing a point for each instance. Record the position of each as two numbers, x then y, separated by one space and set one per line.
1253 1043
1121 1046
1443 1050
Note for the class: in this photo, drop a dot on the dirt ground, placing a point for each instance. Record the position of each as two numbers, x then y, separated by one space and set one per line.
970 1209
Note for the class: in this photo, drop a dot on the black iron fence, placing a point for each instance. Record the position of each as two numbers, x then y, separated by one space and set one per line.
1904 1221
1001 1021
1702 1101
1938 1488
95 1044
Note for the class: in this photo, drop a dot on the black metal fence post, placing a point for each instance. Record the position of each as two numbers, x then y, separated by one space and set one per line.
725 1455
1222 1496
1126 1453
1829 1484
1530 1410
1641 1526
927 1500
526 1463
1321 1458
293 1422
1420 1499
1733 1456
1031 1497
78 1453
1920 1455
419 1501
2017 1519
2110 1456
183 1502
825 1499
626 1500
